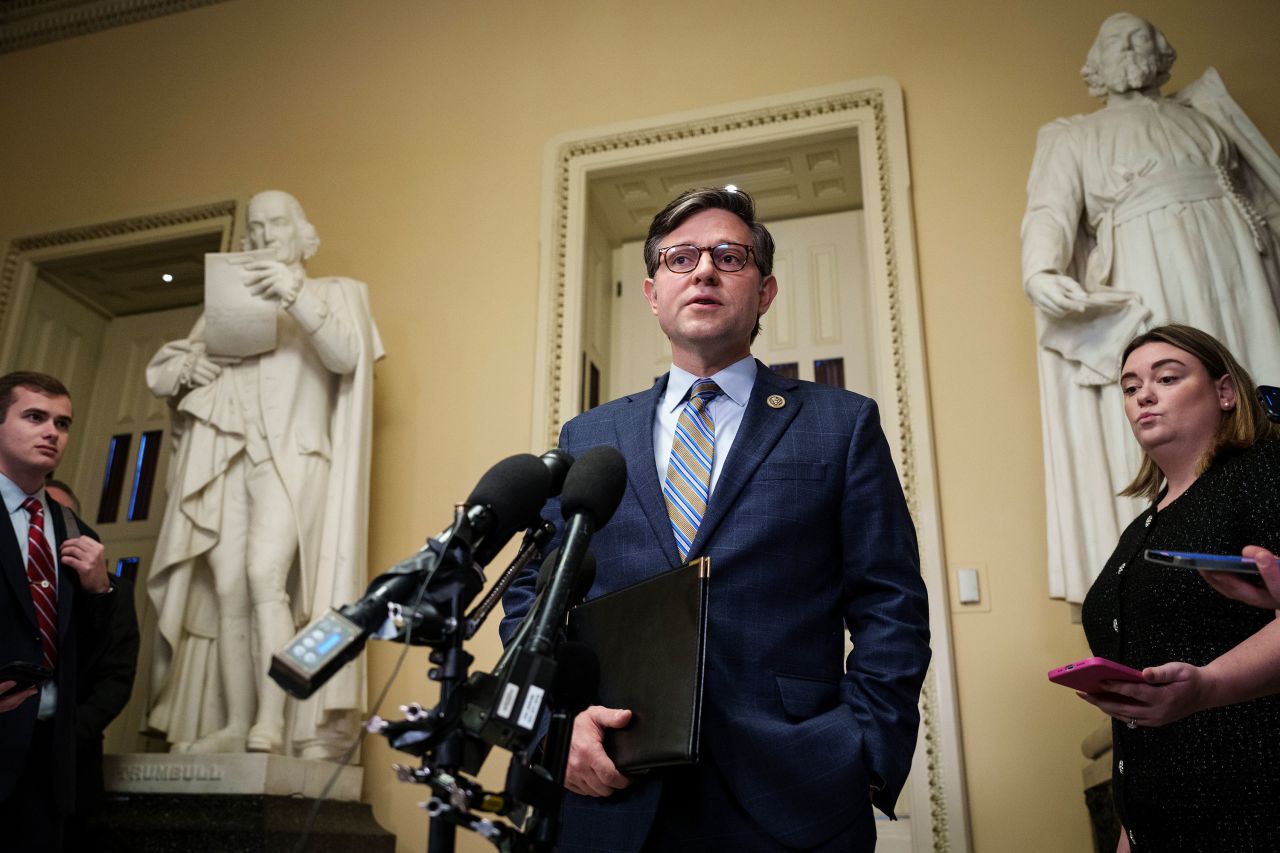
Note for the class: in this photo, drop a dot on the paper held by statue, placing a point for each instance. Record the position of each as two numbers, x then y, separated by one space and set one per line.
651 640
236 323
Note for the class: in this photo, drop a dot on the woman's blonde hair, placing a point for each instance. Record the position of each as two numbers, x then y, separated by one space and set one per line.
1241 426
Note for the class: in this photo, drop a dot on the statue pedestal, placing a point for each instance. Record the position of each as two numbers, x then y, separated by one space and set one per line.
238 773
242 803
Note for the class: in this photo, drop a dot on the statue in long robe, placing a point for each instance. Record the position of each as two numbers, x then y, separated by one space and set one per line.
1148 211
266 522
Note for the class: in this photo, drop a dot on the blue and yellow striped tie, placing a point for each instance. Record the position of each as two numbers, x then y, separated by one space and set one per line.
688 482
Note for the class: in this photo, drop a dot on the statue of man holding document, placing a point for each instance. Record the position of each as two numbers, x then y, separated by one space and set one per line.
267 512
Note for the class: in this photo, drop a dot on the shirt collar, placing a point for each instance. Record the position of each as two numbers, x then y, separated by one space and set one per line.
14 496
735 381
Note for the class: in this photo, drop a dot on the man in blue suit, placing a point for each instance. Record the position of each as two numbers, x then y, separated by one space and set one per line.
808 533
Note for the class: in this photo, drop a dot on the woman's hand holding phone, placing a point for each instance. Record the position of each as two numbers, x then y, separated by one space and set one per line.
1155 696
1246 589
1166 694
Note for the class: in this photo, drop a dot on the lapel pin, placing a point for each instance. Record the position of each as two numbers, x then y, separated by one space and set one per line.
775 401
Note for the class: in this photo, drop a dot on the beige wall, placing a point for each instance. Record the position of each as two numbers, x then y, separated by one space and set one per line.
414 134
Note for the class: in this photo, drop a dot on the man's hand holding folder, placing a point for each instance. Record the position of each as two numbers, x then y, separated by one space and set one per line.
591 772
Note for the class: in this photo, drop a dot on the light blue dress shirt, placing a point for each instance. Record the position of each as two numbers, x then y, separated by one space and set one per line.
735 381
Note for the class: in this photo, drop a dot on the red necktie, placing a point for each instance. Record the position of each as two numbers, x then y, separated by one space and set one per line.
43 577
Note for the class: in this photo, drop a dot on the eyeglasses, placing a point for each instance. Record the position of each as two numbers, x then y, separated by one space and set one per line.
727 257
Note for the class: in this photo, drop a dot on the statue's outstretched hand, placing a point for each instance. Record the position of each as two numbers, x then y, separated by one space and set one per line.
1056 295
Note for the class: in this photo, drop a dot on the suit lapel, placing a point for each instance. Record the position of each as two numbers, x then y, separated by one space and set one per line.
635 440
14 571
762 426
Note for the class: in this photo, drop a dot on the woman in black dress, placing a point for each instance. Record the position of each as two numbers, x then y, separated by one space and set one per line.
1197 744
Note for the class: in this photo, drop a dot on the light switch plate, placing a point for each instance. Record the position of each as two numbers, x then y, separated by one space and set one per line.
969 587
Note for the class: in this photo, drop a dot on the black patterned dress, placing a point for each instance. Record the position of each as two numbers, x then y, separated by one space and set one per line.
1210 782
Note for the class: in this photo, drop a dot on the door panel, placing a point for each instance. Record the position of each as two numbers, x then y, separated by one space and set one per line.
124 410
62 336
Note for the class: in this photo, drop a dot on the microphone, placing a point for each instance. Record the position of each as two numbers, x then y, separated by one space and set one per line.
516 669
558 463
504 708
535 539
592 492
523 477
507 499
582 584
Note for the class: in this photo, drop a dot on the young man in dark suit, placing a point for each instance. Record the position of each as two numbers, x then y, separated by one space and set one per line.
54 587
789 488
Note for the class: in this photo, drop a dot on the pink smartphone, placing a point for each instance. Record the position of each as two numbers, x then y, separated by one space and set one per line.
1087 675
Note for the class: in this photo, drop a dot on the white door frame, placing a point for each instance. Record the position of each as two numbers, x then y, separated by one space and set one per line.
23 255
872 109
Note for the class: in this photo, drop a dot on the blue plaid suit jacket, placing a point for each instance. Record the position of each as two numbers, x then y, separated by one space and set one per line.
809 536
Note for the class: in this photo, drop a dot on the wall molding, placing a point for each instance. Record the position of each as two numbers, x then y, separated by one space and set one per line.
22 255
872 109
29 23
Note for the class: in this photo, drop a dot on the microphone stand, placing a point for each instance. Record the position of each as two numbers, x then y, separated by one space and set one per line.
535 539
441 738
451 674
453 793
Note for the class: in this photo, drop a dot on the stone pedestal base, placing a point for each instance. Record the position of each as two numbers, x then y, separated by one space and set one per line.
231 804
238 773
232 823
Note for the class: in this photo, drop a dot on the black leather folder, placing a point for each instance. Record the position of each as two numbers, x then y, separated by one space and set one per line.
651 640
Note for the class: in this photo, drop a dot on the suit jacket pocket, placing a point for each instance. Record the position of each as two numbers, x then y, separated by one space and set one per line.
804 697
793 471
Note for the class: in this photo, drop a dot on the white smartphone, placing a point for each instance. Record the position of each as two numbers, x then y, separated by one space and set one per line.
1203 562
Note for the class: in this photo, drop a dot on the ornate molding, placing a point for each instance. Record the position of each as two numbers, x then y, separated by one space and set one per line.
565 162
719 125
28 23
18 248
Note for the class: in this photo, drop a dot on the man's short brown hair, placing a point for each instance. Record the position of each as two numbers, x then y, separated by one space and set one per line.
697 200
42 382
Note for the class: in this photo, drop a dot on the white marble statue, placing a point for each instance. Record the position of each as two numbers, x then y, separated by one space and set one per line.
266 521
1150 210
